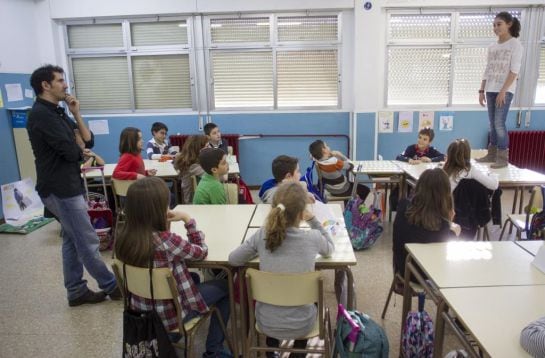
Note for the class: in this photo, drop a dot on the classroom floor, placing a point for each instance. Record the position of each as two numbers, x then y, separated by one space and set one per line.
36 320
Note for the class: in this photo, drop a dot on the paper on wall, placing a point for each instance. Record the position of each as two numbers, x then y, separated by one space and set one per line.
14 92
426 120
99 126
446 123
405 122
29 93
386 122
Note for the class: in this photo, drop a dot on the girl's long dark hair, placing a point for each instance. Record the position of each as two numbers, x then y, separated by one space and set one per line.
189 153
145 209
514 30
458 158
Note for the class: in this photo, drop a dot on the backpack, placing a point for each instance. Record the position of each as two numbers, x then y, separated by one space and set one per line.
357 335
364 224
536 229
417 336
316 190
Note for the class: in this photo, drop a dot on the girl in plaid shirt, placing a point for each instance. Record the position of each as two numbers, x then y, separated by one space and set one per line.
146 236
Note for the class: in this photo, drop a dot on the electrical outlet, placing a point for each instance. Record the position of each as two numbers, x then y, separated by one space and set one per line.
527 119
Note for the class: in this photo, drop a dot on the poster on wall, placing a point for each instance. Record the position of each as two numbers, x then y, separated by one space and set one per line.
386 122
426 120
405 123
446 123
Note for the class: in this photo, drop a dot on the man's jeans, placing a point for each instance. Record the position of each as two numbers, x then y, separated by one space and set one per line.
79 246
497 117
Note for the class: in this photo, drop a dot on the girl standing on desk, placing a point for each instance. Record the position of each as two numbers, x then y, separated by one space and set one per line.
426 217
283 247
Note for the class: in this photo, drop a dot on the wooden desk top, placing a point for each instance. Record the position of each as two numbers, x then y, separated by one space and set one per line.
262 210
384 167
496 315
224 227
471 264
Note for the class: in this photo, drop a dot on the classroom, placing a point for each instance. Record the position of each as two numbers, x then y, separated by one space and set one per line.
344 88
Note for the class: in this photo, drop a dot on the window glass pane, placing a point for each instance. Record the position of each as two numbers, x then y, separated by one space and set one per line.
307 28
419 27
242 79
102 82
540 90
159 33
418 76
240 30
95 36
479 25
307 78
469 65
162 81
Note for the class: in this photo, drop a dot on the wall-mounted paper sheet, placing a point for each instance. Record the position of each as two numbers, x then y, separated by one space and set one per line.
99 126
14 92
405 122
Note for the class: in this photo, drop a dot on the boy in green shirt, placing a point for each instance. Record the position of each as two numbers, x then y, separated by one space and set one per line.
210 190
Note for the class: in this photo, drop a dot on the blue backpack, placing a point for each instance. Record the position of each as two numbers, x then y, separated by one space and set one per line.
357 335
315 189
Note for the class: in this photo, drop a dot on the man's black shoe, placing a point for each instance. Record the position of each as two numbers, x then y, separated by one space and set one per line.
115 295
88 297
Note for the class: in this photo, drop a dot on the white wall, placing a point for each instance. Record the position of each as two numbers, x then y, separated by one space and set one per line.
18 43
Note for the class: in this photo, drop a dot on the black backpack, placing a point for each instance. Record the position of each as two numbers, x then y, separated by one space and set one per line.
536 229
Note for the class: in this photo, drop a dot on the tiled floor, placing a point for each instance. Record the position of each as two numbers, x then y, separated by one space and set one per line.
35 320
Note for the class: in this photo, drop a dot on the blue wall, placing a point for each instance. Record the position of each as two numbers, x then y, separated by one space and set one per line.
472 125
9 169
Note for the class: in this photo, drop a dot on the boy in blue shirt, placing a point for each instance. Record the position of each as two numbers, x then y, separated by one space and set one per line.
158 145
422 151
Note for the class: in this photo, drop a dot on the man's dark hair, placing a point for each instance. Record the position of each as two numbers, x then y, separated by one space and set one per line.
427 131
282 166
44 73
208 127
316 149
157 126
210 158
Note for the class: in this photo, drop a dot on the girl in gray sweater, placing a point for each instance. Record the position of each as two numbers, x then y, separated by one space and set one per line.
283 247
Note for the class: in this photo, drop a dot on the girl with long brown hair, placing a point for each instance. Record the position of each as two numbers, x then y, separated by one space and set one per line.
146 238
425 218
187 164
283 247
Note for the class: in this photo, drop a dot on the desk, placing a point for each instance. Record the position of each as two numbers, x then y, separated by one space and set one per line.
224 227
459 264
380 171
262 210
532 246
495 316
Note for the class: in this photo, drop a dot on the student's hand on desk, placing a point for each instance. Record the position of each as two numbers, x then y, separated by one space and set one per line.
175 215
73 103
140 176
455 228
152 172
414 161
307 215
425 160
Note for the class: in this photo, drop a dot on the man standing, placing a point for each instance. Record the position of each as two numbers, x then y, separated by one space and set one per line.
60 185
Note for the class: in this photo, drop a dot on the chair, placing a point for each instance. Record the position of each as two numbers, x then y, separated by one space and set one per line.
522 222
397 286
231 191
328 195
472 207
303 288
164 288
119 189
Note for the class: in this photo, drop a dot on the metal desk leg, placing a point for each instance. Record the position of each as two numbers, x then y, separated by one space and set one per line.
439 330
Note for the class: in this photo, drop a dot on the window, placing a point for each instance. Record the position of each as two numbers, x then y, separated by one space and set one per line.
274 61
540 88
131 65
437 58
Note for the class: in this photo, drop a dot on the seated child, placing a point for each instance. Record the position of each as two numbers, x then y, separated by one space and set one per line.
210 190
158 145
283 247
458 166
425 218
331 163
187 164
422 151
90 159
212 132
146 237
284 169
130 165
532 338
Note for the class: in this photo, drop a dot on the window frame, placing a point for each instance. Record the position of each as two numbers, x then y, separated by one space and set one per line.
273 46
129 51
453 43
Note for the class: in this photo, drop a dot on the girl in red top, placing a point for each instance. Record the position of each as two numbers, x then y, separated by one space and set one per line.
130 165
